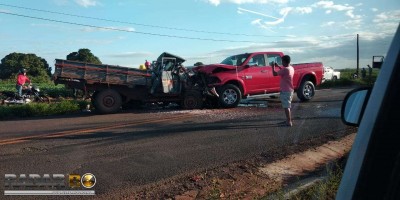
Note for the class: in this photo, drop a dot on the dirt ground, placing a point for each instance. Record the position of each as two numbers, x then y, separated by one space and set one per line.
254 178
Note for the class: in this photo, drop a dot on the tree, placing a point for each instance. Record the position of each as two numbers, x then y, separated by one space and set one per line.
84 55
37 67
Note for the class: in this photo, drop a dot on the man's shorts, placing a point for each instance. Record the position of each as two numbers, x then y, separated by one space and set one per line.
286 99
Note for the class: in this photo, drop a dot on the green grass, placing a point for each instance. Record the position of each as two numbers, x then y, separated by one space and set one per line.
346 79
49 89
325 189
41 109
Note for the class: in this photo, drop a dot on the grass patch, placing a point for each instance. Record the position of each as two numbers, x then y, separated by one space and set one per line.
325 189
48 89
346 79
41 109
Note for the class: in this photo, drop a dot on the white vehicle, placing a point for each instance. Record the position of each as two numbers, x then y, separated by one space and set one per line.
330 74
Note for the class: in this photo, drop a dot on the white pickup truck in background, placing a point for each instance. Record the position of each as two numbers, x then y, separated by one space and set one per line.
330 74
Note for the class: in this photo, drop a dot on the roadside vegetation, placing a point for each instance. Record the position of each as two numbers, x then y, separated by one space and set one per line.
346 79
41 109
325 188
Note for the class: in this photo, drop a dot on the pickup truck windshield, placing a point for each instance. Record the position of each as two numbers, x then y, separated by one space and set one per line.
235 60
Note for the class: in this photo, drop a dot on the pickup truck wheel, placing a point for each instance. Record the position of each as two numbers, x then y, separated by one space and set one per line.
192 100
306 91
107 101
229 96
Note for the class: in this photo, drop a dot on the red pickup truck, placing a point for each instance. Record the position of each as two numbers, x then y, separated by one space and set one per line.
247 74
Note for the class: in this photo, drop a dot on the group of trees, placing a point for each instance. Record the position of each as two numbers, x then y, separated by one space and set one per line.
37 67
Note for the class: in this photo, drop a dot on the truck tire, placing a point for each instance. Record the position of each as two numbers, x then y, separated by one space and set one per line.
107 101
306 91
192 100
229 96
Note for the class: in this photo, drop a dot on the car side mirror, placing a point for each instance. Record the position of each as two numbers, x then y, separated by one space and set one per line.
353 106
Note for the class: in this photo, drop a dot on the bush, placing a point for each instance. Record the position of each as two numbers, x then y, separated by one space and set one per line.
346 80
49 89
41 109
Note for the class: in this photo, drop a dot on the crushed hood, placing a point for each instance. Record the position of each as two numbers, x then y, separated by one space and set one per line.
208 69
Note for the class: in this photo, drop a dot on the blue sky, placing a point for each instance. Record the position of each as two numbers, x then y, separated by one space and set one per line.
199 30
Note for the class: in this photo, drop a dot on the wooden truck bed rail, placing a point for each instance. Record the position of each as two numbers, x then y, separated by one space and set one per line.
98 73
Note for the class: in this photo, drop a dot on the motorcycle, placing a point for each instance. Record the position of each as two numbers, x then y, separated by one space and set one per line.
29 94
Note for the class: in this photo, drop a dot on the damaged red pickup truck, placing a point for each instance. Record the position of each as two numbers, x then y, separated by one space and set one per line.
247 74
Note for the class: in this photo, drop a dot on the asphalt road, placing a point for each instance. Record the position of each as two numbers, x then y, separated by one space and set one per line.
138 147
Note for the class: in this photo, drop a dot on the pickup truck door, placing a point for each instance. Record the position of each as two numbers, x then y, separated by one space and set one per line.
274 82
257 76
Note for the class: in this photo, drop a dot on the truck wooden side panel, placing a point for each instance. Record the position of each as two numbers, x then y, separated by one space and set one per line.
98 73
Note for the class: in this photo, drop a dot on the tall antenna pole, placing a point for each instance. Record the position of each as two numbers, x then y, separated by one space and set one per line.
358 56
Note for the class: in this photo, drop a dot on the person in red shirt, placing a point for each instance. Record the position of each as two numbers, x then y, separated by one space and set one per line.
21 80
286 84
147 65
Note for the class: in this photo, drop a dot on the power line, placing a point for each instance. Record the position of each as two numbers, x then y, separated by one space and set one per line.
138 24
138 32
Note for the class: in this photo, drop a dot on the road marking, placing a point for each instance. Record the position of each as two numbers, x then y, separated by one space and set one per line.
87 130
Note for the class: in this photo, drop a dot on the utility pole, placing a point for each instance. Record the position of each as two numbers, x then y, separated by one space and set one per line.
358 57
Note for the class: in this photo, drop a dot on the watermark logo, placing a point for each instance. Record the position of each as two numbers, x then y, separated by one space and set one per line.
88 180
49 184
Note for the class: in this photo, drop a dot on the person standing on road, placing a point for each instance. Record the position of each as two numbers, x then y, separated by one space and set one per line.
363 73
286 86
147 65
21 79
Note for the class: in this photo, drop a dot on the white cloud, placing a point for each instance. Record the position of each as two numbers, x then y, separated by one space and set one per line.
387 16
287 28
214 2
239 2
330 5
351 15
349 10
338 51
86 3
241 10
284 12
258 22
387 22
352 24
374 9
266 25
303 10
326 24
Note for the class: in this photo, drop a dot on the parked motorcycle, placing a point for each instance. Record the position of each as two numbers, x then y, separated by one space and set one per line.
29 94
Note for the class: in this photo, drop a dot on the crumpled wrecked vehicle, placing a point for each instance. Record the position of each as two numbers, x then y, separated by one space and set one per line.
111 86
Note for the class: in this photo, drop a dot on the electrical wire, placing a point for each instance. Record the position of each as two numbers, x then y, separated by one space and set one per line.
138 24
138 32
